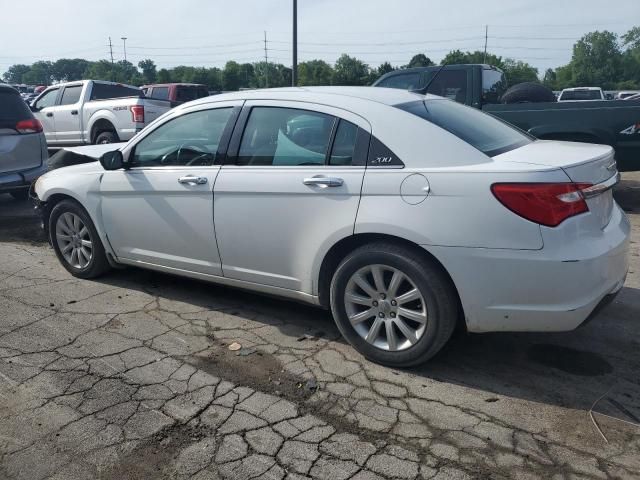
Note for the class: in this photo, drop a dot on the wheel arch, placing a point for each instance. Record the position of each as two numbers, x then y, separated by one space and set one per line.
346 245
100 125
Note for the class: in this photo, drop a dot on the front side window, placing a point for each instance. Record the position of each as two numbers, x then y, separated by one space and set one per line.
189 140
285 137
480 130
403 81
71 95
47 100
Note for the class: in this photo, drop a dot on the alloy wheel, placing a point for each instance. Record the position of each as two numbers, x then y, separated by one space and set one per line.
385 307
74 240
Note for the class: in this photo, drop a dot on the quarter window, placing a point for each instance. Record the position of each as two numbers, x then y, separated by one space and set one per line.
285 137
188 140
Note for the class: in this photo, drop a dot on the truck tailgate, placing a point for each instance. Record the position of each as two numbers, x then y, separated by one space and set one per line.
154 109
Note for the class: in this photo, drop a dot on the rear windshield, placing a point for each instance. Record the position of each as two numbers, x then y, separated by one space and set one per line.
103 91
581 95
480 130
12 108
188 93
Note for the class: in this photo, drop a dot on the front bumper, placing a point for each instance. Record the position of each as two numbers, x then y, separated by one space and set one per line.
538 290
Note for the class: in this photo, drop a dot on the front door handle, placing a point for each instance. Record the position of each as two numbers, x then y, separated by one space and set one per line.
74 112
323 181
192 180
49 114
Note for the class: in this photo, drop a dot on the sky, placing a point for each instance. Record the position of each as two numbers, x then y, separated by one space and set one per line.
210 32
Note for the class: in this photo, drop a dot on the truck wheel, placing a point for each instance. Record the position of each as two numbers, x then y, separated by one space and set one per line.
528 92
106 137
393 305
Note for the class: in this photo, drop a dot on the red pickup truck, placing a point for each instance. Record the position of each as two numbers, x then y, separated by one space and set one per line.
176 93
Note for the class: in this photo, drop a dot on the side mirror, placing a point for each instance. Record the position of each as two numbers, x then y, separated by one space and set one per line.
112 160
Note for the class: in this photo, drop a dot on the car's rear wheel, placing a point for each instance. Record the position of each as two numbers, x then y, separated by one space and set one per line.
393 304
76 241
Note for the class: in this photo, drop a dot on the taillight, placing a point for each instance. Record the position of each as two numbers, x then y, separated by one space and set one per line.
137 113
548 204
31 125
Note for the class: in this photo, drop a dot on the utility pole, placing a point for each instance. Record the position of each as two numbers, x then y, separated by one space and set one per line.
294 69
266 62
111 50
124 44
486 35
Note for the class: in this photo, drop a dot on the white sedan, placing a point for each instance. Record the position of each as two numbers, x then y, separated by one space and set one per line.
405 215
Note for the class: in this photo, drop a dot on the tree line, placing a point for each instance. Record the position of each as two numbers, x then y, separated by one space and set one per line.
599 58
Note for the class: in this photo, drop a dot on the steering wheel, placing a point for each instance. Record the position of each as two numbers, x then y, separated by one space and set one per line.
193 148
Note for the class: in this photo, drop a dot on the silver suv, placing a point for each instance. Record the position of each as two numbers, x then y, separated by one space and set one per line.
23 148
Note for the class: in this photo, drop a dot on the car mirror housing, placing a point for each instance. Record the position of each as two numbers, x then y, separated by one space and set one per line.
112 160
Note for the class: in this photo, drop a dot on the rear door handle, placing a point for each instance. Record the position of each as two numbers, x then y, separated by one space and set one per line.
192 180
74 112
49 114
322 181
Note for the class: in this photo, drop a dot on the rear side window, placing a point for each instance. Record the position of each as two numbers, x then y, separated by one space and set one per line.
403 81
285 137
581 95
480 130
344 144
12 108
160 93
71 95
104 91
188 93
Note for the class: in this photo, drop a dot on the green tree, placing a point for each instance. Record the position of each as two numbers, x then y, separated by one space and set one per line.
214 78
458 57
231 76
314 72
40 73
164 76
149 72
350 71
631 39
597 60
419 60
518 71
550 78
69 69
15 73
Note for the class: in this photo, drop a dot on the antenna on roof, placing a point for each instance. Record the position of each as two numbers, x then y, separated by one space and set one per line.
425 89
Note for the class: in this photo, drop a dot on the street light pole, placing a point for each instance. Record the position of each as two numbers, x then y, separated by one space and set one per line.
124 44
294 69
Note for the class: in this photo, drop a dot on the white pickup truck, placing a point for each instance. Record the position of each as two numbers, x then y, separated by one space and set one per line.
93 112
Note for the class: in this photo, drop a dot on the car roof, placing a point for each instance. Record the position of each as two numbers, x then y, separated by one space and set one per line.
326 95
174 84
4 86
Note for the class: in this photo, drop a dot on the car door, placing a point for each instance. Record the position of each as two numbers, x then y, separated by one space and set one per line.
159 211
67 114
292 189
43 110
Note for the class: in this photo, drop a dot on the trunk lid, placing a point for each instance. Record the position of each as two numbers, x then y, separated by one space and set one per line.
582 162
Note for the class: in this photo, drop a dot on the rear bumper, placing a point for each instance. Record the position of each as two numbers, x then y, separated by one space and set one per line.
21 179
538 290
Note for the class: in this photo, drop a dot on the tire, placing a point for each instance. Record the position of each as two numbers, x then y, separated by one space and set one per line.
528 92
20 195
106 137
437 307
60 227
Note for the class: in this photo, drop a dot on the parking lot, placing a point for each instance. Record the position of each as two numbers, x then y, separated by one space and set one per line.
137 375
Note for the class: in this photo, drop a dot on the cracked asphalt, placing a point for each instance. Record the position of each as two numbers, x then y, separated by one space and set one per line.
131 377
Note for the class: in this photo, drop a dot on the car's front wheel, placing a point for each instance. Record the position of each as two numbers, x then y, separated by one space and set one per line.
76 241
393 305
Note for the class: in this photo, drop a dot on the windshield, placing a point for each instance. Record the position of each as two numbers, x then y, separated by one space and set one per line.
480 130
581 95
